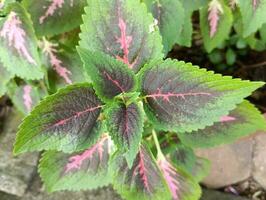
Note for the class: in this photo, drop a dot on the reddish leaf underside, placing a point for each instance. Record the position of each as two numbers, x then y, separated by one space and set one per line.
15 35
27 100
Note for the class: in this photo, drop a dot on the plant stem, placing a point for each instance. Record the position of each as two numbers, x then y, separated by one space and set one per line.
157 144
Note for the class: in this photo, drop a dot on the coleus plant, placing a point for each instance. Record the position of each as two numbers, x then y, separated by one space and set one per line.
132 121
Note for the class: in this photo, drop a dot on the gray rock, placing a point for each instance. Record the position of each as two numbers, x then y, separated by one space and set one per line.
215 195
230 164
15 172
37 192
259 159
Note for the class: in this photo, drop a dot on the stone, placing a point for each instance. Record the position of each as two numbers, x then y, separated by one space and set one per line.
15 172
212 194
36 191
230 164
259 159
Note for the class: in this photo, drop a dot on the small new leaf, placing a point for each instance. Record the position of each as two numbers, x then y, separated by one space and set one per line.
125 124
78 171
110 77
180 97
66 121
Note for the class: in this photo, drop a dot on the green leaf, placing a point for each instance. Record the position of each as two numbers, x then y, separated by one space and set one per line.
185 159
240 122
5 78
143 181
192 5
255 43
230 56
263 33
78 171
223 28
170 19
180 97
52 17
18 44
66 121
110 77
185 38
253 15
122 29
125 124
24 97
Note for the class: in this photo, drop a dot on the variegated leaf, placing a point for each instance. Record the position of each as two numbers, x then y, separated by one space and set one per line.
25 97
143 181
18 45
240 122
51 17
180 97
77 171
180 184
112 27
110 77
125 124
66 121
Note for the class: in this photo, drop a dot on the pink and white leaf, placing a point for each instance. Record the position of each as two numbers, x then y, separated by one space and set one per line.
15 35
56 63
171 176
75 162
215 10
52 8
255 4
27 100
